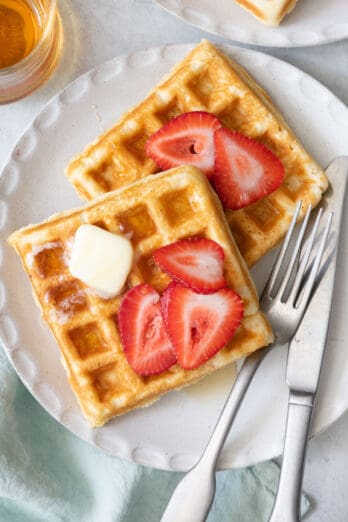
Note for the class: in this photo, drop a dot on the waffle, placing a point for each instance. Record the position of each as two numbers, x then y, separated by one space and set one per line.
207 80
270 12
154 211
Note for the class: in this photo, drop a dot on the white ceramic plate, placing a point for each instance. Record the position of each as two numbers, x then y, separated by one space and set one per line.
312 22
171 433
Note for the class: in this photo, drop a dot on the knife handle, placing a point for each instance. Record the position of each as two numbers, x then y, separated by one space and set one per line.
287 505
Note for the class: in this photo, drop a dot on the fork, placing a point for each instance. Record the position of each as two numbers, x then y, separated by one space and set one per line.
193 496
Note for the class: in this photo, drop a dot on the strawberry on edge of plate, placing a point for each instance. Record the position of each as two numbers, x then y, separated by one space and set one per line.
199 325
194 262
144 337
187 139
245 170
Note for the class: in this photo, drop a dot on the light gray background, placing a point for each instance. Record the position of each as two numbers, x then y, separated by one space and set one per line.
97 30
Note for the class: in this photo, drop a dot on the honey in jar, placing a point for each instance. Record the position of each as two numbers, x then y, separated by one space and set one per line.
20 30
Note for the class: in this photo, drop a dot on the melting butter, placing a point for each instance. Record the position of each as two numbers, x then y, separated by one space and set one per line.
101 260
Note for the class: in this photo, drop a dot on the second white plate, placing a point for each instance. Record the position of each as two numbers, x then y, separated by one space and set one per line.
172 433
312 22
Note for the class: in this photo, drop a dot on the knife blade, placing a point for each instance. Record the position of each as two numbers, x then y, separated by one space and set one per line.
306 349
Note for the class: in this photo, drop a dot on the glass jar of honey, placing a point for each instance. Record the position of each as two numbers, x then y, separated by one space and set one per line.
30 45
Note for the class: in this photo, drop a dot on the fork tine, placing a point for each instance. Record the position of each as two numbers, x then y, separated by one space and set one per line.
294 254
279 261
303 264
307 291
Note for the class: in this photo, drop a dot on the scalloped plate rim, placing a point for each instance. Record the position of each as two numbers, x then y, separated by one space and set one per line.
249 39
30 384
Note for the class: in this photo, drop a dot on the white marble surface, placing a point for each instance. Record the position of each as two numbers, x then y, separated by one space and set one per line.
96 31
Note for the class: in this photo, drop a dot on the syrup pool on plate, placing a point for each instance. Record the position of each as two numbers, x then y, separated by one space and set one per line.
214 386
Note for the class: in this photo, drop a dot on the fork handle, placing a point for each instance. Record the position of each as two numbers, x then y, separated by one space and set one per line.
232 405
287 506
192 498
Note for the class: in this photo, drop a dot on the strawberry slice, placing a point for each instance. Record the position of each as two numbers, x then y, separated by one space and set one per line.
187 139
245 170
196 263
165 298
200 325
145 341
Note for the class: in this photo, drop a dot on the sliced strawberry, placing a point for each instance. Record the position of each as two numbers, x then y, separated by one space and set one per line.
165 298
200 325
245 170
187 139
195 262
145 341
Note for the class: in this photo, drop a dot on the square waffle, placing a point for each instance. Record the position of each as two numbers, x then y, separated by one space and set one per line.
270 12
209 81
153 212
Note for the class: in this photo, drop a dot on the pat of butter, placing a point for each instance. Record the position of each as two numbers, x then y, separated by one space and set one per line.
101 260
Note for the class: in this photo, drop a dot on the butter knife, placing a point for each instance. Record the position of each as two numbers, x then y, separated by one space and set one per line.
306 351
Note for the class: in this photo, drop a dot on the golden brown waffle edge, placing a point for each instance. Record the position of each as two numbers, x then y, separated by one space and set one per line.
155 211
269 12
208 80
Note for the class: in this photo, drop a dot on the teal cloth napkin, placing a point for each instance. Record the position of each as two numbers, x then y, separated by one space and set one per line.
49 475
